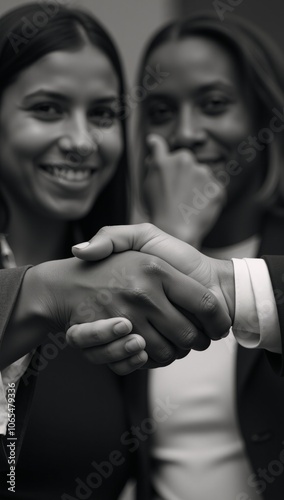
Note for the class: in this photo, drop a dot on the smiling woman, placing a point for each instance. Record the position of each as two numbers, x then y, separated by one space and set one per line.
216 104
60 136
63 172
211 173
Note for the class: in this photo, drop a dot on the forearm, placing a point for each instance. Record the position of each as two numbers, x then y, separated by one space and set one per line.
28 323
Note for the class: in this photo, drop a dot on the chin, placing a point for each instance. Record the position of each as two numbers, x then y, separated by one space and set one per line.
68 212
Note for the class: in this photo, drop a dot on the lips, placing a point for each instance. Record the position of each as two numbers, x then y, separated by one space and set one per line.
67 173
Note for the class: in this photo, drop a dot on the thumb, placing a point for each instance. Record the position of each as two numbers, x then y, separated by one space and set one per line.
98 248
113 239
159 148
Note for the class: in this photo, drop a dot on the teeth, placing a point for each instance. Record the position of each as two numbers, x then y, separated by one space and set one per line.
69 174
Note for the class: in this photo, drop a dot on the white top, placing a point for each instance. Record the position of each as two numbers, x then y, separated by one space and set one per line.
198 452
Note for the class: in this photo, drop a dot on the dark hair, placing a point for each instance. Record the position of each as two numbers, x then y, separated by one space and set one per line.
33 30
262 67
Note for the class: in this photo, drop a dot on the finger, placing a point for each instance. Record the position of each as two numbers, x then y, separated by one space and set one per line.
178 329
129 365
114 239
158 347
166 328
193 297
97 332
159 148
143 237
116 351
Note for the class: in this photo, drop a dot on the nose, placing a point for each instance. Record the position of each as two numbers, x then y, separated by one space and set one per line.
78 140
189 132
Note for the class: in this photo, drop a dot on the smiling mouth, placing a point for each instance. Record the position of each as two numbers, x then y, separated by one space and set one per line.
70 174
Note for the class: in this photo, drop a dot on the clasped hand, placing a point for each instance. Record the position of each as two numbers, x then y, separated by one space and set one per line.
174 301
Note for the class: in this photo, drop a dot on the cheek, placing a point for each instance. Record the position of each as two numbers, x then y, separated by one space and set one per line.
27 140
112 145
231 129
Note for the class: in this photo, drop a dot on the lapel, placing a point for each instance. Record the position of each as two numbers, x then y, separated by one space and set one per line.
272 243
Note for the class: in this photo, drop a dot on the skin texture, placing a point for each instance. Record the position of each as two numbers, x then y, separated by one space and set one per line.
205 108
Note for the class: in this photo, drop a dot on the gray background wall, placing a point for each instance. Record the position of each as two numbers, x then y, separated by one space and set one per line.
129 21
132 21
268 14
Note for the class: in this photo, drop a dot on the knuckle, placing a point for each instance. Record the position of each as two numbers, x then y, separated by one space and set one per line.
73 340
96 337
140 294
153 268
109 353
187 337
165 355
209 305
147 227
104 230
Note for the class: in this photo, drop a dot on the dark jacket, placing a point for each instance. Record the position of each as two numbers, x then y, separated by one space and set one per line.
73 419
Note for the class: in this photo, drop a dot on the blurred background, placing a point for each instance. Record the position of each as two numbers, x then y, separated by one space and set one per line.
131 22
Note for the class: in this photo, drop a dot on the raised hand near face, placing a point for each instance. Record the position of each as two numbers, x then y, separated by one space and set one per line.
182 195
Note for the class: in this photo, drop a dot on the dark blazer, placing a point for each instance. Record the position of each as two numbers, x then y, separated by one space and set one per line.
10 283
134 400
260 390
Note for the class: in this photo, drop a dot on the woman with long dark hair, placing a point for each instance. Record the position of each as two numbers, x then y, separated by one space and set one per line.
211 173
217 117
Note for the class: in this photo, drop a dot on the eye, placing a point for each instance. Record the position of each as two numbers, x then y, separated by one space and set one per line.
215 104
159 113
47 111
103 116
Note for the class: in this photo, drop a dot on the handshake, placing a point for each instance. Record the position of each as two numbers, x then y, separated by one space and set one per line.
133 296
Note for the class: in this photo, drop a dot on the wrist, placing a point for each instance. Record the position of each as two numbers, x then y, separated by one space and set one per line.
225 273
29 322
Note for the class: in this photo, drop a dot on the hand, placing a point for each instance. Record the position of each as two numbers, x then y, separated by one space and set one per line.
216 275
146 290
183 196
108 341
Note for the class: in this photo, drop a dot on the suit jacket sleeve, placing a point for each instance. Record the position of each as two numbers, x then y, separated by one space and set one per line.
10 284
275 264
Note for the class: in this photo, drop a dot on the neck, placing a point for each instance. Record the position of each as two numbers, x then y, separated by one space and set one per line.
34 238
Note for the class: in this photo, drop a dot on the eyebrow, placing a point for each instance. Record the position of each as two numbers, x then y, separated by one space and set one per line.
217 84
58 96
202 89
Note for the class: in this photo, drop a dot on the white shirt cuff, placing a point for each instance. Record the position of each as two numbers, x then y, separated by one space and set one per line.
256 322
